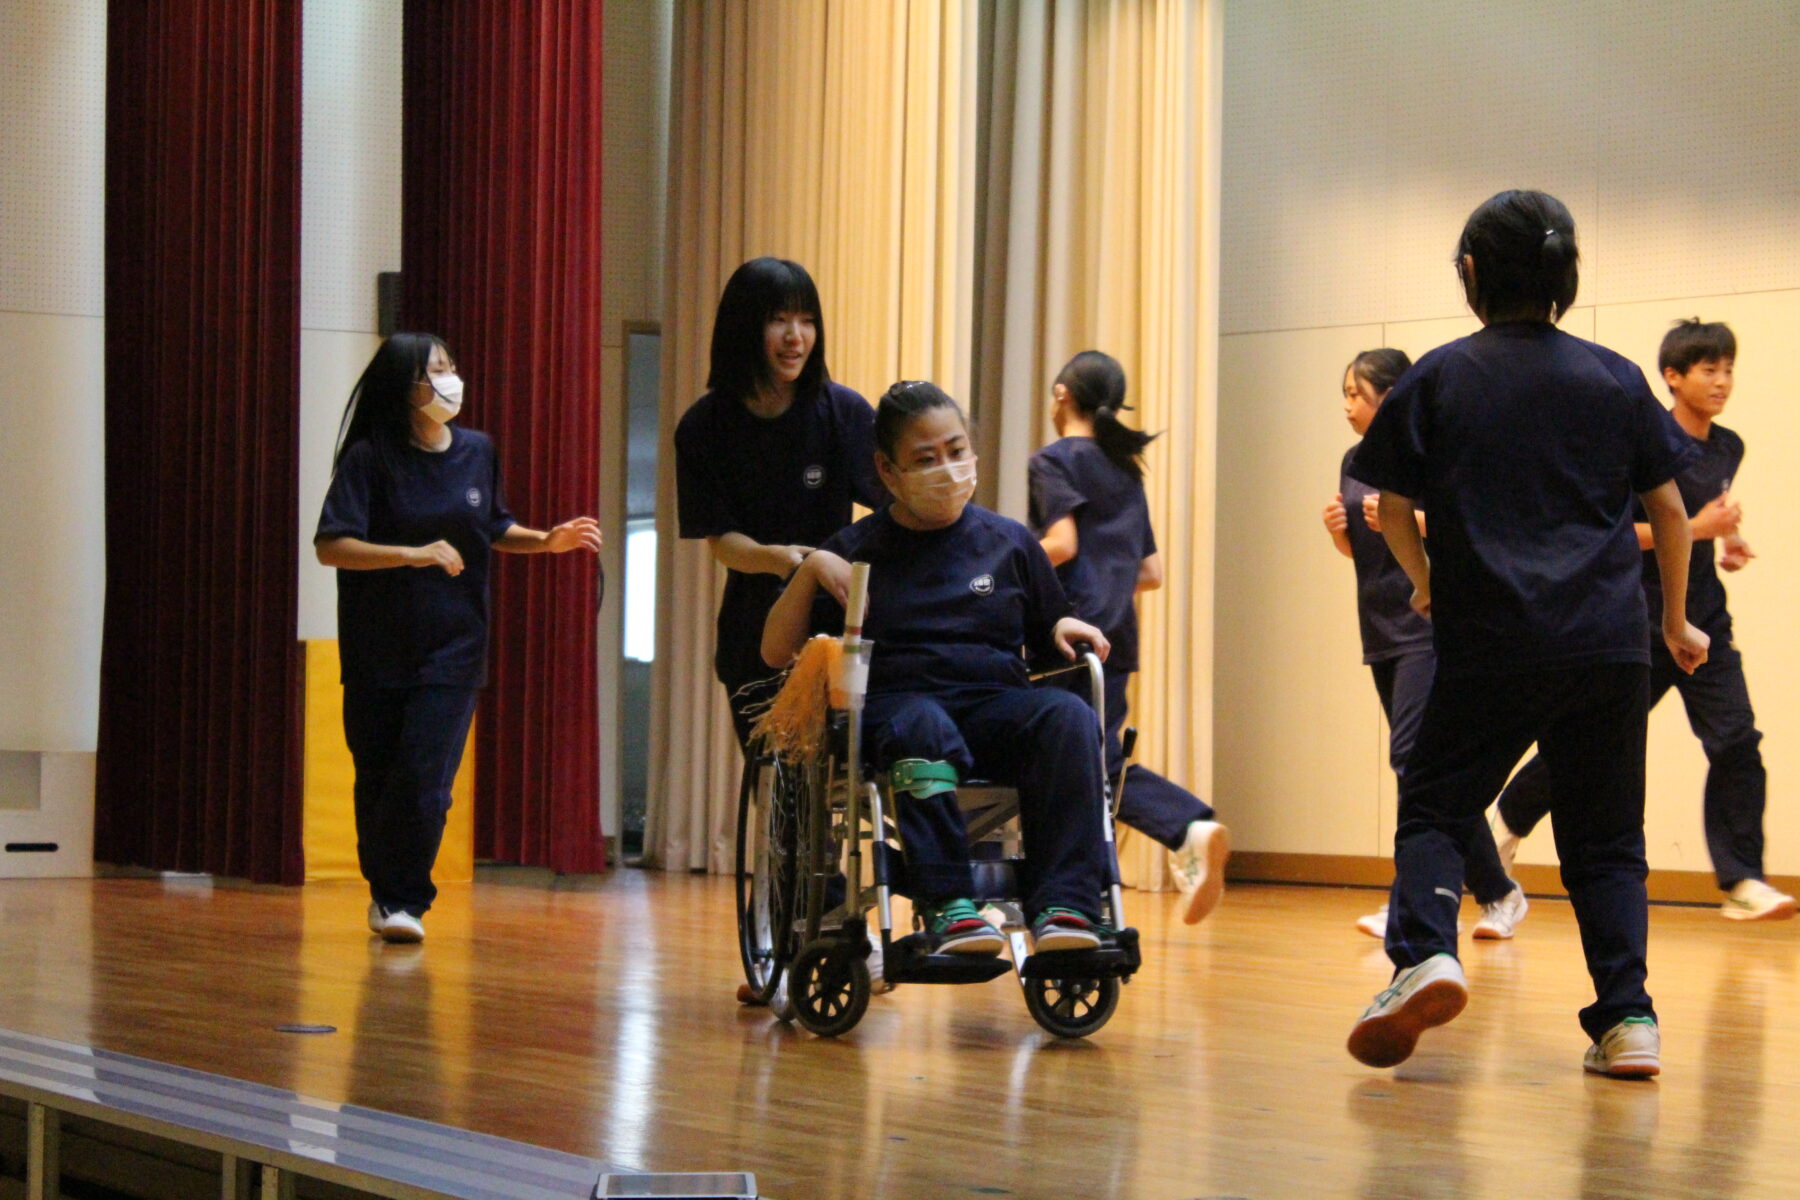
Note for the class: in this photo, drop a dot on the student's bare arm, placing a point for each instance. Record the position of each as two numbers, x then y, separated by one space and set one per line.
1337 524
354 554
741 552
790 621
1717 520
1150 573
1674 544
1400 526
1061 541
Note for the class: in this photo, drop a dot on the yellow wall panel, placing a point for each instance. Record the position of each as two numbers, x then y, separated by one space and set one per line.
328 820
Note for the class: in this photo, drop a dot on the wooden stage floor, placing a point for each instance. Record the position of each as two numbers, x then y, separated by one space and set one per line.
601 1022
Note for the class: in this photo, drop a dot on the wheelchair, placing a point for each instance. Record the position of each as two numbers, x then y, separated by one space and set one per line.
818 849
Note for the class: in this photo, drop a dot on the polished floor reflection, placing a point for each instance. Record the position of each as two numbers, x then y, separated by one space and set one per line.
602 1023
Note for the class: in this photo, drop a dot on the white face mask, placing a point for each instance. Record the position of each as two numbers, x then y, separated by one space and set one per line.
446 398
938 494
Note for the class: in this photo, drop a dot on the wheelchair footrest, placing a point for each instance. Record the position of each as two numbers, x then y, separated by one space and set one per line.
1117 956
909 960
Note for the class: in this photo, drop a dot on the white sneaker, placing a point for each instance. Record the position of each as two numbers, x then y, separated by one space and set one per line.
1375 924
1199 868
1632 1049
1500 919
401 926
1429 994
1754 900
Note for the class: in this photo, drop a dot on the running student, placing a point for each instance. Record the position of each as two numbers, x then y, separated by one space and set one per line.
1088 509
955 593
1526 446
769 461
1696 361
1396 640
415 506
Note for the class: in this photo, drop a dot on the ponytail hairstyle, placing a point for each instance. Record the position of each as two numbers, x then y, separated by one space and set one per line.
1380 369
380 407
900 404
1526 263
1096 384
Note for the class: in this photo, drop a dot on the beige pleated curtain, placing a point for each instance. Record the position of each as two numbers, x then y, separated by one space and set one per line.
981 190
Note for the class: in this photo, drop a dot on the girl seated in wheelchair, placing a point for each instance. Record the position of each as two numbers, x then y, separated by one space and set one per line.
955 593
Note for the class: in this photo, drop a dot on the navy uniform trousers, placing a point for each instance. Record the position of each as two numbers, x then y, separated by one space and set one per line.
1718 709
406 744
1043 741
1588 722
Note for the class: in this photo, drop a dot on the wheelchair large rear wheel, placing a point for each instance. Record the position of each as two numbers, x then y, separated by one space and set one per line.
780 844
1072 1008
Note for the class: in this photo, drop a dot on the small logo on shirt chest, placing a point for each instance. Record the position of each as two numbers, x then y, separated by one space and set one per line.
814 476
473 496
982 585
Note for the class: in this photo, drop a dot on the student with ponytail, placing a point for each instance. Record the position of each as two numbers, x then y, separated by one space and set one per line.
1088 509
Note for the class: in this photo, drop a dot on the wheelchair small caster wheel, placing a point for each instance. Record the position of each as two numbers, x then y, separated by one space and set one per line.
1072 1008
828 985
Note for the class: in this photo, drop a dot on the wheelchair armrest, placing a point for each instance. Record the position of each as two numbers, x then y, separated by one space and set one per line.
1096 679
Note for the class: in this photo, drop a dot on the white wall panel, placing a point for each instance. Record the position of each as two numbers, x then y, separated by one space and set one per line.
53 143
1299 743
349 233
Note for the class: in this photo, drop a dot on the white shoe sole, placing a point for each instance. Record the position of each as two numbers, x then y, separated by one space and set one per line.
1775 912
1389 1039
1641 1065
401 935
1065 939
978 945
1375 924
1207 893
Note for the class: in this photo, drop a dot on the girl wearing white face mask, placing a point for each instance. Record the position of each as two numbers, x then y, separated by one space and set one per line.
414 507
1088 506
955 593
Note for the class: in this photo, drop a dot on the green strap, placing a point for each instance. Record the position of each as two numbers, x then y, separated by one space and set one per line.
920 779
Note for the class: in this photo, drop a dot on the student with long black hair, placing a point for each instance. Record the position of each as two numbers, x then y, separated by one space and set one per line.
1089 512
1525 446
414 507
1396 640
769 461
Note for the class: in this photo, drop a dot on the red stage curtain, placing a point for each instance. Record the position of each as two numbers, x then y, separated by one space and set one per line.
200 674
501 256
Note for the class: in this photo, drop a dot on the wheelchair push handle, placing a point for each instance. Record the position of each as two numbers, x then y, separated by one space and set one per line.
856 604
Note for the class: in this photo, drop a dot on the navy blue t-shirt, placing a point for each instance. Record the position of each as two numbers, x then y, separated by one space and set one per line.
1073 477
787 480
1390 625
1525 445
949 609
1701 482
410 626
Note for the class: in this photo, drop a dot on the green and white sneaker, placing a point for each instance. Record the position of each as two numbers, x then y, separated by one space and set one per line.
1632 1049
957 927
1422 996
1199 868
1754 900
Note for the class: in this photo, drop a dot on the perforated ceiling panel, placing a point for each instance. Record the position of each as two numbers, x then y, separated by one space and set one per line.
53 131
350 159
1358 136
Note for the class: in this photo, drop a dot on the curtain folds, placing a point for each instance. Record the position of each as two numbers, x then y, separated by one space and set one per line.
839 134
199 766
501 257
1099 230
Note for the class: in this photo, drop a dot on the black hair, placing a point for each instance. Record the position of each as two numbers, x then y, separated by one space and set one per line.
381 405
900 404
1526 263
1096 384
755 293
1380 369
1695 341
